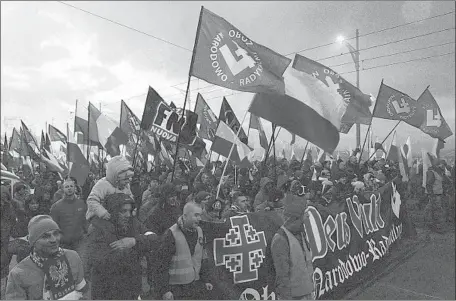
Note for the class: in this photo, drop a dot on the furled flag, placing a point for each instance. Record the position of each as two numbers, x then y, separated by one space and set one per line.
206 118
315 104
224 139
225 57
433 122
393 150
406 153
255 124
427 163
293 139
15 146
227 115
403 168
5 144
395 105
56 135
110 135
79 166
164 121
354 54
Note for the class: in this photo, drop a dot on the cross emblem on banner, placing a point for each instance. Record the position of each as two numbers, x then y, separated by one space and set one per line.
242 250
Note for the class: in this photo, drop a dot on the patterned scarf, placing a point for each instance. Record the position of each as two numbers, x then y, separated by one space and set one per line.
58 279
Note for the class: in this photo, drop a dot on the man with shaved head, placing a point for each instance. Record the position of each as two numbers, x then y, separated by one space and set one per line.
182 271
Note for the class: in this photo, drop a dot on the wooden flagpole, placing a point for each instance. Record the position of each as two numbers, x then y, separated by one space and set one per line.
187 90
305 149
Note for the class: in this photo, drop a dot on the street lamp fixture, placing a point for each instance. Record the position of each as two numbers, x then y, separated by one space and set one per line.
340 39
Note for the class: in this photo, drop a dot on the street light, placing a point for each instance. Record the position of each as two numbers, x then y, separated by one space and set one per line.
340 39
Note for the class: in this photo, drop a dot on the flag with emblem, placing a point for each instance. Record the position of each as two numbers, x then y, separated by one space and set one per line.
395 105
227 116
315 104
206 119
433 122
226 57
255 124
56 135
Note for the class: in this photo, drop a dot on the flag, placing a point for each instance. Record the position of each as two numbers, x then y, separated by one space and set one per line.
345 127
227 115
433 122
5 144
403 169
15 145
224 139
395 105
321 157
79 166
206 118
293 139
393 150
131 126
406 153
352 103
164 121
255 124
56 135
354 54
312 107
379 146
293 154
438 145
42 140
47 145
30 143
82 125
110 135
225 57
427 162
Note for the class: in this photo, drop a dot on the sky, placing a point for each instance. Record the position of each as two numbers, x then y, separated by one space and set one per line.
53 54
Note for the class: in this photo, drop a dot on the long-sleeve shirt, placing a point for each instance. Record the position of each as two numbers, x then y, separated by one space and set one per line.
69 214
165 253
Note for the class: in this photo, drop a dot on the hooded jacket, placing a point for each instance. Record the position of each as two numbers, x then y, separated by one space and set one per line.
116 273
262 196
105 187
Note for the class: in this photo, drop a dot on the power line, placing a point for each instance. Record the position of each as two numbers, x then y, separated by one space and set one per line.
392 54
384 44
397 63
374 32
126 26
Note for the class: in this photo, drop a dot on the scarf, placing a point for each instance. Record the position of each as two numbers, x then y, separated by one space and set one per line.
58 279
180 223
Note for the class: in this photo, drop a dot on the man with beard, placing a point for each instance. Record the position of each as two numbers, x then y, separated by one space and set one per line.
50 272
115 248
292 256
182 271
69 214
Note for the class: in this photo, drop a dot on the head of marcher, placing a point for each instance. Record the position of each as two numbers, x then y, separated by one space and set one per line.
154 182
44 235
5 194
69 188
191 216
266 184
119 172
20 191
169 196
121 207
31 203
240 201
293 214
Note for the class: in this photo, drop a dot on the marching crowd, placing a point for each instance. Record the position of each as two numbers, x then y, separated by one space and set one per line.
75 242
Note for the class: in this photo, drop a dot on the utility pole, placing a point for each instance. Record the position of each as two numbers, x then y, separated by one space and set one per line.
358 126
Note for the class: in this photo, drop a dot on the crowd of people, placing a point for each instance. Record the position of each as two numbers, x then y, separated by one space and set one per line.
92 241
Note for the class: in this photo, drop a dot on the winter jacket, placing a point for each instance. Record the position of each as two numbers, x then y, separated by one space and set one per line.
262 196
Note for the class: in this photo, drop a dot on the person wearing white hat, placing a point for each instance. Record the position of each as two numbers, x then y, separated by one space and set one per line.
49 272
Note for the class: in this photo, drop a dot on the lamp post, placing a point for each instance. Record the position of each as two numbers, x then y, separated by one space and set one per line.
355 56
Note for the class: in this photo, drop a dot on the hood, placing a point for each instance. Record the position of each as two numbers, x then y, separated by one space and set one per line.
115 201
115 166
264 181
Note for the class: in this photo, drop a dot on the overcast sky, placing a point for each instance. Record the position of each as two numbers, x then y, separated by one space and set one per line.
52 54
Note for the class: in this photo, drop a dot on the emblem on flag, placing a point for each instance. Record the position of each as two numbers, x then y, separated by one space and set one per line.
401 106
242 251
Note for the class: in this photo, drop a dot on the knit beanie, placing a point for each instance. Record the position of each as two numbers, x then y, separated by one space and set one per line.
38 226
294 207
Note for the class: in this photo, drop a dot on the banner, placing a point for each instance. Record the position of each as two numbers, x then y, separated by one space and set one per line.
348 239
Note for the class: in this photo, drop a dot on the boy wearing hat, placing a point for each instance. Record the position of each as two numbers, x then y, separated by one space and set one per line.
49 272
292 255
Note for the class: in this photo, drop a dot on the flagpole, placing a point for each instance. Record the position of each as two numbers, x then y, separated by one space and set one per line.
188 88
275 159
386 137
269 147
373 114
229 154
305 149
88 132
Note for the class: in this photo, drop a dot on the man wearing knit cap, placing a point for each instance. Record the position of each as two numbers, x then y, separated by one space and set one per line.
49 272
292 256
